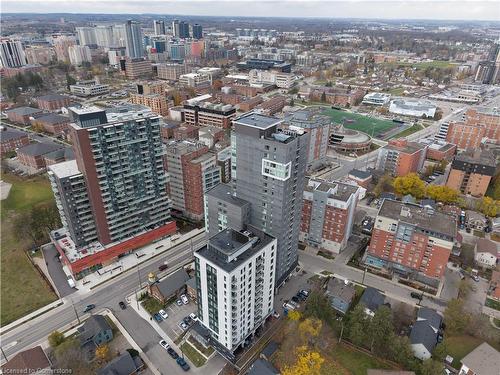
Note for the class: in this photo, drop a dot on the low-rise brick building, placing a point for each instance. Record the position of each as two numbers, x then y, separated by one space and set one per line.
185 131
34 154
11 139
53 102
23 115
51 123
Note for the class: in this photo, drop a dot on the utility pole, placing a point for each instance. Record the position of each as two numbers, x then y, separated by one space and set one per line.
76 312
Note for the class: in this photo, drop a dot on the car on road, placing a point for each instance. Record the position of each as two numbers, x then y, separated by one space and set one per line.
157 317
163 267
475 278
416 295
178 302
181 362
184 299
172 353
163 314
164 344
122 305
89 308
193 317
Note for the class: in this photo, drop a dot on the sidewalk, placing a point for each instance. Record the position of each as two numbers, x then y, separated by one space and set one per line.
129 261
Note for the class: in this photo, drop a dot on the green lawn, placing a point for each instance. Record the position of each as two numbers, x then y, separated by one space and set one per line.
196 358
356 362
397 91
151 305
359 122
460 346
412 129
423 65
22 289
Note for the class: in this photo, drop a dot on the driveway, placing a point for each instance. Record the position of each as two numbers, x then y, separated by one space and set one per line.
451 284
56 272
171 326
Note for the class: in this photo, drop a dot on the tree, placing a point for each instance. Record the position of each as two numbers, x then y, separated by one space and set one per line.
380 330
69 80
357 325
385 183
489 206
309 329
440 351
70 356
431 367
294 315
401 352
443 194
103 353
56 338
409 184
308 363
464 288
455 317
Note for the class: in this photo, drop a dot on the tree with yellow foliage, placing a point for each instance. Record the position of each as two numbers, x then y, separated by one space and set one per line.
294 315
309 329
102 353
409 184
442 193
489 206
308 363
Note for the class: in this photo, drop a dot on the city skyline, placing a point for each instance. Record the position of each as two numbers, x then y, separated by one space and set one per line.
480 10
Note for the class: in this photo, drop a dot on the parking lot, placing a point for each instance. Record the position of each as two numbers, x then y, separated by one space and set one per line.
171 325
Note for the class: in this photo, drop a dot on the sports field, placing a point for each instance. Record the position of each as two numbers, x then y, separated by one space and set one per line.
361 123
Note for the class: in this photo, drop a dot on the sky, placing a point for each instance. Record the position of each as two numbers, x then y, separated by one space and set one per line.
380 9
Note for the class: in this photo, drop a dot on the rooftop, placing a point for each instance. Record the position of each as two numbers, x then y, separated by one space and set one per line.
402 145
335 189
172 282
484 360
477 156
338 288
424 218
229 249
51 97
7 134
64 169
225 192
53 118
357 173
30 360
23 111
37 149
256 120
484 245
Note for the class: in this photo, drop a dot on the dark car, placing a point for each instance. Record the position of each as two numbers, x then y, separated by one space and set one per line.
187 320
157 317
122 305
295 299
181 362
301 296
172 353
416 295
163 267
88 308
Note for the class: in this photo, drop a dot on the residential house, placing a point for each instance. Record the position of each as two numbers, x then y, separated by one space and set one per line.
372 299
51 123
31 361
484 360
262 367
171 286
341 294
486 253
475 220
191 288
93 332
424 333
494 290
124 364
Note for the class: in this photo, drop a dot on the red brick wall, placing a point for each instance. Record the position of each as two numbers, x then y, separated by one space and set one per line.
12 144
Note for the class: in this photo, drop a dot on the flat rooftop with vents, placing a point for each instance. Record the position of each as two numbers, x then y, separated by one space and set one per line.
257 121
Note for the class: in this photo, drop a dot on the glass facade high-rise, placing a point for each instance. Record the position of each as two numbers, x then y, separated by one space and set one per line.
133 39
159 27
197 31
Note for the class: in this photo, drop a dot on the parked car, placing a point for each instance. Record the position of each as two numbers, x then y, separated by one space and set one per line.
193 317
183 325
172 353
181 362
295 299
157 317
187 320
122 305
184 299
164 344
294 304
163 314
475 278
163 267
305 292
288 306
178 302
276 315
89 308
416 295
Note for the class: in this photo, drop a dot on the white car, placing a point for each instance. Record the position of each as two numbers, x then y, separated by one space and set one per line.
164 344
193 317
163 314
184 299
276 315
178 302
183 325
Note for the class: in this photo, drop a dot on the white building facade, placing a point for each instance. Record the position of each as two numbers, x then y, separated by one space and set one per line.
235 283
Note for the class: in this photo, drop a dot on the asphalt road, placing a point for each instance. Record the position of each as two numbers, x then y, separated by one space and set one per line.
107 295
